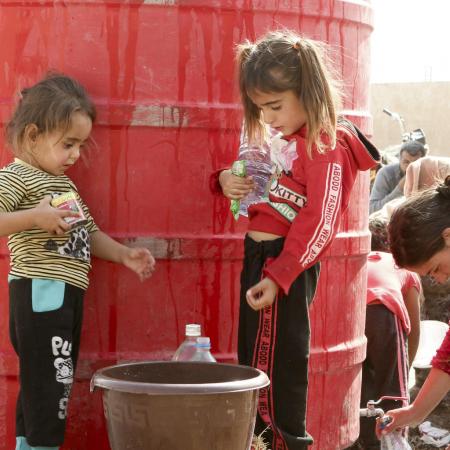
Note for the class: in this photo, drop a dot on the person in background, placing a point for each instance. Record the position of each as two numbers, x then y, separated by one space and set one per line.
392 330
424 173
421 174
285 85
419 235
390 179
50 259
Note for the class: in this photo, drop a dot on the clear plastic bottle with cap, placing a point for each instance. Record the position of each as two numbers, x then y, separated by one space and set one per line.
186 350
259 166
203 350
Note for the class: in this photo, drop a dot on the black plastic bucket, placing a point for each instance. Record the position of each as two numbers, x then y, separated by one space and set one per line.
180 405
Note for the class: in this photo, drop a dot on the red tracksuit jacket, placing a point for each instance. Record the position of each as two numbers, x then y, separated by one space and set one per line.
307 203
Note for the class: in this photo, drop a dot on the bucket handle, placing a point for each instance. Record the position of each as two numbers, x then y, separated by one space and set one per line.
92 384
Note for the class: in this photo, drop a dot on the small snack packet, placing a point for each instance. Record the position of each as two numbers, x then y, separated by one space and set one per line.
68 201
239 169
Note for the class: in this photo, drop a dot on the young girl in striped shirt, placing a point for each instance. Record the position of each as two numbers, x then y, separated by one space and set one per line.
50 252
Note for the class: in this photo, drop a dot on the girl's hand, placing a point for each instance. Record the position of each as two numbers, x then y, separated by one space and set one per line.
140 261
401 418
51 219
234 187
262 294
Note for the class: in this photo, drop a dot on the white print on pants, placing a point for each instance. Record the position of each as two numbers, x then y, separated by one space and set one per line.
64 371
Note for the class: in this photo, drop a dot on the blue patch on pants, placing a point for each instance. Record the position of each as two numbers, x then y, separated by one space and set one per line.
47 295
21 444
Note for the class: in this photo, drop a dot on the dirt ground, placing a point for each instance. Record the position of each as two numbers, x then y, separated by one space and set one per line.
437 300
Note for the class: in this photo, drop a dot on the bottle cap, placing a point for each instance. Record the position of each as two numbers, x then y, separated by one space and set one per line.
193 329
203 342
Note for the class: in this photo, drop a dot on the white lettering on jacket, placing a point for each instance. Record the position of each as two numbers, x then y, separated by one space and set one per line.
280 191
330 208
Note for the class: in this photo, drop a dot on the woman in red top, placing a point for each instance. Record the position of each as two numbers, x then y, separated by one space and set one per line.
419 233
284 83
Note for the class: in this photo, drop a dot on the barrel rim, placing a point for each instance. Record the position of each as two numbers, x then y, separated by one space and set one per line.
102 380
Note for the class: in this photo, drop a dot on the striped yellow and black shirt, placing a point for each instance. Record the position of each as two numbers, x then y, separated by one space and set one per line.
35 253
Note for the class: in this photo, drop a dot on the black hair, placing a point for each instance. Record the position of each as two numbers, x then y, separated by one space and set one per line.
49 105
413 148
416 226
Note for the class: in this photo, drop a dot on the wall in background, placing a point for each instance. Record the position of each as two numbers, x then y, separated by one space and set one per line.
422 105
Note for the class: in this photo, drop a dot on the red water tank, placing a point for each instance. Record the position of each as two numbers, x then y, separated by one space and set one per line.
161 73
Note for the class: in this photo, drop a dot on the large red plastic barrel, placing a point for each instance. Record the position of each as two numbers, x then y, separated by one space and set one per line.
162 75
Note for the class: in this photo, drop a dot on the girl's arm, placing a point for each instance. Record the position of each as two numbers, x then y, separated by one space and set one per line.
310 233
314 227
43 216
431 393
14 222
412 303
138 259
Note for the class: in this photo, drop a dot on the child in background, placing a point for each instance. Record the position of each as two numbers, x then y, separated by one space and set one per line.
419 233
420 174
284 82
50 260
392 331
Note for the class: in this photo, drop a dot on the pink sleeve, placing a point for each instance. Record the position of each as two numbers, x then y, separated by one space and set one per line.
315 226
442 358
411 280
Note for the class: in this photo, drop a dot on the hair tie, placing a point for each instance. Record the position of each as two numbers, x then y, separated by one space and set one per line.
296 45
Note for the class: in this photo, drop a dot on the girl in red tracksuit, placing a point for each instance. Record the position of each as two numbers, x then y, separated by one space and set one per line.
284 83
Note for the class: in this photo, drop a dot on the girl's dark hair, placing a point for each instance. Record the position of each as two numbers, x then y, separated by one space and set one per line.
282 61
49 105
416 227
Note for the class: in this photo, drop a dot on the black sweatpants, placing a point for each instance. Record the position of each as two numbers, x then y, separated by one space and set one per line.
385 369
276 341
47 343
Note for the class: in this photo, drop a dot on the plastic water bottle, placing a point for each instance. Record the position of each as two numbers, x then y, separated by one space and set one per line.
394 441
188 347
203 350
259 166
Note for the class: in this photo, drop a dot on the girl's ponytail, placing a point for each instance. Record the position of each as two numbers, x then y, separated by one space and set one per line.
318 93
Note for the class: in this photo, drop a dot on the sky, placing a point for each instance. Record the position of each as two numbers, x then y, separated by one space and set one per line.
411 41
